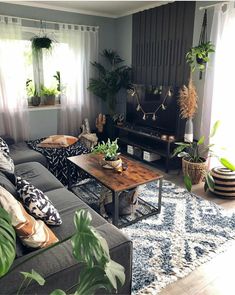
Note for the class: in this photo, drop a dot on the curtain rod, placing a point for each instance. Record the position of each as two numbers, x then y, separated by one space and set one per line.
48 22
213 5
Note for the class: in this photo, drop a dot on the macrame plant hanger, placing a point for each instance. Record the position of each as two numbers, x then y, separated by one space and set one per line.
203 35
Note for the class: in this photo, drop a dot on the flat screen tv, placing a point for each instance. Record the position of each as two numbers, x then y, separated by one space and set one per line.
152 97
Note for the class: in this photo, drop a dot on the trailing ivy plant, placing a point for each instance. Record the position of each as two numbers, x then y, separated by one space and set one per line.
110 79
198 56
89 248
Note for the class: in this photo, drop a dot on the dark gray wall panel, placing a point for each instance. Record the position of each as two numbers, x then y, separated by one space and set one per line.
161 38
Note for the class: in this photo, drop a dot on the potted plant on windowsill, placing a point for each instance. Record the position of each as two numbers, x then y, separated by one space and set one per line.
109 150
194 158
32 93
49 95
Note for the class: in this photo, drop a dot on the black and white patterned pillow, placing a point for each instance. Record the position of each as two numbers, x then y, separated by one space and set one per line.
4 146
37 203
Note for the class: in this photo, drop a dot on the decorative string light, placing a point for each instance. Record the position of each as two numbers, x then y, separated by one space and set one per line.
162 106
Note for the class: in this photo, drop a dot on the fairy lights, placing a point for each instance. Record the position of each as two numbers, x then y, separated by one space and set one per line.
162 106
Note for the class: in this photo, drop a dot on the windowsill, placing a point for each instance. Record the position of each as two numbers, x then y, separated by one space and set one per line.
44 107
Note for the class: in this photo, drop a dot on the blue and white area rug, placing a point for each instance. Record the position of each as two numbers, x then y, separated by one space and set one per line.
188 232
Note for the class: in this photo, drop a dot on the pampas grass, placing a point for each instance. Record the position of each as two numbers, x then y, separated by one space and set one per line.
188 100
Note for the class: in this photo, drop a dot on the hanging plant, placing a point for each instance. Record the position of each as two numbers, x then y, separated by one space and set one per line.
198 56
39 43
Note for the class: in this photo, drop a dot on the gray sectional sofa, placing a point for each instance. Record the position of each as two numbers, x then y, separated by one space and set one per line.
57 265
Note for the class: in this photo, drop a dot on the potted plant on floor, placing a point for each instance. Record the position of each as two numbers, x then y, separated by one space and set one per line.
111 79
49 95
109 151
194 158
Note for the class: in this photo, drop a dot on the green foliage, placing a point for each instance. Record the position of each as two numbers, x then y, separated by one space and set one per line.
188 182
58 80
40 42
226 163
108 149
7 242
91 249
196 152
48 91
111 79
198 56
31 89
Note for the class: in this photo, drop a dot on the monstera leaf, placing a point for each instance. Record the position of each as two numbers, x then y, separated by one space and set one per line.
7 242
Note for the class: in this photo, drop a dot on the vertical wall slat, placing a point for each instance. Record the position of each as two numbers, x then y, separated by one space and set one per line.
161 38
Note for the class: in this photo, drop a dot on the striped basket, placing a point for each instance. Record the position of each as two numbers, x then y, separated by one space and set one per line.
224 181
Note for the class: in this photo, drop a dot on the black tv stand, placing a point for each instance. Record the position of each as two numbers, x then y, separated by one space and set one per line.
145 139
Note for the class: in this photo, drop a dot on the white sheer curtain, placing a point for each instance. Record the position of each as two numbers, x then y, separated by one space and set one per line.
13 101
219 95
77 102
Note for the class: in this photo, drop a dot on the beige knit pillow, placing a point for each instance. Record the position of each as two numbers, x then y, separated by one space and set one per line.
33 233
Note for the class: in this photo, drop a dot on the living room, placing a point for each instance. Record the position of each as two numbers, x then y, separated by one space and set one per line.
117 168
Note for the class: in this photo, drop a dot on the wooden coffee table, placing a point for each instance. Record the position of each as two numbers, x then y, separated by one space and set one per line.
135 175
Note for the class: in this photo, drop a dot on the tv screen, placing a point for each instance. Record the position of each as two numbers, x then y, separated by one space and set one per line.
147 99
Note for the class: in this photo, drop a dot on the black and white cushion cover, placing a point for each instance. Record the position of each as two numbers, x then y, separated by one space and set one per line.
6 163
4 146
37 203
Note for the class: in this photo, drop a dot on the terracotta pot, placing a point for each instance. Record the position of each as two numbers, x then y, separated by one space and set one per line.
196 171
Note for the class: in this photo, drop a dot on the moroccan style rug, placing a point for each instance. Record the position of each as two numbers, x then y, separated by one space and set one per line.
188 232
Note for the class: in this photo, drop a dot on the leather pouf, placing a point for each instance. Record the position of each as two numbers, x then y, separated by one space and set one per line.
224 181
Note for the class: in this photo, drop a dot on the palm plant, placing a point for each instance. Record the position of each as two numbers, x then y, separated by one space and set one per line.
111 79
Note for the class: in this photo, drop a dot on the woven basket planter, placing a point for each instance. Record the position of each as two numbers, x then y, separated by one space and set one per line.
224 182
196 171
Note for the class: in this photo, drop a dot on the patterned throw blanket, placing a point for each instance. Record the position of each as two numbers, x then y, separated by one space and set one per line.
57 159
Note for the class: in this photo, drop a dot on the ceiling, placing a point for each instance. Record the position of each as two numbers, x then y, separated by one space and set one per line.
112 9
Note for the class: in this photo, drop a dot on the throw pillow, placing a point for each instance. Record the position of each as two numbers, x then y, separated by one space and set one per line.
6 162
58 141
37 203
4 146
33 233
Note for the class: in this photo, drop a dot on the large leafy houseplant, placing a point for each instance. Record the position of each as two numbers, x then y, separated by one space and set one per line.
89 248
194 155
111 79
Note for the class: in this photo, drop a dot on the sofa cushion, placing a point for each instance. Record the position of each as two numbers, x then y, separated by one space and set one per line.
37 203
21 153
38 175
7 184
67 203
33 233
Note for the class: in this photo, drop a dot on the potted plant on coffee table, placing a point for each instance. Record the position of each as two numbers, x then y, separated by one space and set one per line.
194 158
109 151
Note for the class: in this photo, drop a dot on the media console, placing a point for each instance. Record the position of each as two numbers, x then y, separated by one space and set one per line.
145 139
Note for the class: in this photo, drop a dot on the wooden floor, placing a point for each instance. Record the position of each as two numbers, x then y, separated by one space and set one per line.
215 277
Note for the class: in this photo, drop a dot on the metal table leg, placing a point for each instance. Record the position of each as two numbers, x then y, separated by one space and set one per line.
115 202
159 195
